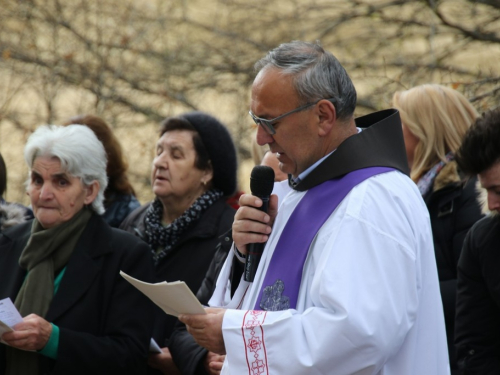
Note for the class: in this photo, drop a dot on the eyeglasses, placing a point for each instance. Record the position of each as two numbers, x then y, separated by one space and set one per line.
268 124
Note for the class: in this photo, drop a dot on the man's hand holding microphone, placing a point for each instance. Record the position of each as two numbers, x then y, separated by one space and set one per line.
251 228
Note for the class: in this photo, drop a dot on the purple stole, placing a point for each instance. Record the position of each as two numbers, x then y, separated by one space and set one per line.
280 288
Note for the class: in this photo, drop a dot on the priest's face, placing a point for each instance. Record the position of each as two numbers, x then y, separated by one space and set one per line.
296 142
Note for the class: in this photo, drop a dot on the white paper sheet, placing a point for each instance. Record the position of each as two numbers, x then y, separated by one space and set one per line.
9 316
154 347
174 298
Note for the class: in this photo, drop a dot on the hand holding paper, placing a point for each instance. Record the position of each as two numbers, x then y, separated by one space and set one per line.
207 329
9 317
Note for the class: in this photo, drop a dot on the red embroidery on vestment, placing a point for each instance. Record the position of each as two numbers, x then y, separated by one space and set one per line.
253 338
242 298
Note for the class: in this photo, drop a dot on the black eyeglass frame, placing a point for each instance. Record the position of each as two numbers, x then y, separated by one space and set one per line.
268 124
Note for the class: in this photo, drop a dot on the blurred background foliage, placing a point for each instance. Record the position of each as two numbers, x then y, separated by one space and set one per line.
135 62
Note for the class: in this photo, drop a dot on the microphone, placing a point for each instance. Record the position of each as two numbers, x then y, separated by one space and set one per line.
261 185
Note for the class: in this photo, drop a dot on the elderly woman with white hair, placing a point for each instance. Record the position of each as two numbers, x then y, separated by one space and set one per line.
62 268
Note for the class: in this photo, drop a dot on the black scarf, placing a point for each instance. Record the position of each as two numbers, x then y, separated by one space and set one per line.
161 239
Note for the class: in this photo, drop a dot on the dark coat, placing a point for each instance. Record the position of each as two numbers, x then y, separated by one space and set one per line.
186 353
477 327
189 258
118 207
13 214
453 209
105 323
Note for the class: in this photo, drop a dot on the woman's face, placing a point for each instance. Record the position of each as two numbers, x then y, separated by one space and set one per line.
56 196
174 174
411 142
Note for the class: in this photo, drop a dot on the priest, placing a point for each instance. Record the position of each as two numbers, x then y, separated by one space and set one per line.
347 283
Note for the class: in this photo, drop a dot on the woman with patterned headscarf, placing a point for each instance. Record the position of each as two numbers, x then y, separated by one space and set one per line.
193 173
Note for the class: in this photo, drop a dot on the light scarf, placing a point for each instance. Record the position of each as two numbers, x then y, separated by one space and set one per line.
426 182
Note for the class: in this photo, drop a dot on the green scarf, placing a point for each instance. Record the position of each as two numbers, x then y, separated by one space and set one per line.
46 254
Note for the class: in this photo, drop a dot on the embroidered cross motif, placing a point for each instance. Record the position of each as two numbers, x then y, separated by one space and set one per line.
254 344
258 367
253 336
273 298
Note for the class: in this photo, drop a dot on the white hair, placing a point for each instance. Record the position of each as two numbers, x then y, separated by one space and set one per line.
80 152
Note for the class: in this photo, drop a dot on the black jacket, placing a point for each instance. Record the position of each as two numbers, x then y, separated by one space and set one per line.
118 207
105 323
186 353
189 259
477 327
453 209
13 214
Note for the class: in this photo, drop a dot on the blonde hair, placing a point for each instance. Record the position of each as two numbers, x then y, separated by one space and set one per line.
439 117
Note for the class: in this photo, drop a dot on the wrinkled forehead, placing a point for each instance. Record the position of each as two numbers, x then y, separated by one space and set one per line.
49 164
272 91
177 138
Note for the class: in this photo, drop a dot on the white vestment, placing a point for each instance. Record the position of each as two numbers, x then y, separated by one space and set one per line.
369 300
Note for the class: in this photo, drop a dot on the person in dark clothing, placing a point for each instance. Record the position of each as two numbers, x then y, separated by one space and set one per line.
477 327
435 119
61 269
193 173
10 213
189 357
119 198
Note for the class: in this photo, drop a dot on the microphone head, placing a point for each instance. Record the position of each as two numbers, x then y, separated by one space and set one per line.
262 181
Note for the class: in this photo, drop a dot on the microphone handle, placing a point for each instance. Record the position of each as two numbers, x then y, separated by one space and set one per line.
255 250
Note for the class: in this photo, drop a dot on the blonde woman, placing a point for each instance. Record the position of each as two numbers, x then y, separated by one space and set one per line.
435 119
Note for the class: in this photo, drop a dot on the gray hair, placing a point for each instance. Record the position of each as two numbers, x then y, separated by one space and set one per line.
80 152
317 74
